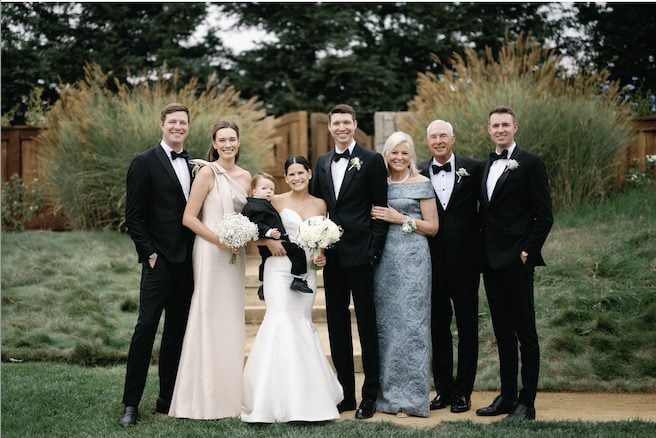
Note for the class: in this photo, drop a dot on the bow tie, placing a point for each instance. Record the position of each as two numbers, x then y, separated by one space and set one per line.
437 169
183 154
346 154
494 156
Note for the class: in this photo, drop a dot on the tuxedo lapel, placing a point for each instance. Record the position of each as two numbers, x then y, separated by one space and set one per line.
168 167
486 172
504 175
350 171
329 178
457 181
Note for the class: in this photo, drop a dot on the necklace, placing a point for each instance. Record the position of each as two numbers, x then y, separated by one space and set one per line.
407 176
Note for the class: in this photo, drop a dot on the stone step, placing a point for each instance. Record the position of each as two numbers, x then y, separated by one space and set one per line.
322 330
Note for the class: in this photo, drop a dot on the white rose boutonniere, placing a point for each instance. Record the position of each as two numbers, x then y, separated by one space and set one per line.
461 172
355 163
512 165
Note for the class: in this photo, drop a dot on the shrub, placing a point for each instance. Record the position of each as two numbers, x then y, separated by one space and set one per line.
93 134
578 124
20 202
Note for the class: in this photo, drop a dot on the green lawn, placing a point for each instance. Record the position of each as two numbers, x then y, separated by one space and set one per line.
70 299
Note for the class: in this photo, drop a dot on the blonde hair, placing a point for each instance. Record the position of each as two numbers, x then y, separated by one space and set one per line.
261 175
396 139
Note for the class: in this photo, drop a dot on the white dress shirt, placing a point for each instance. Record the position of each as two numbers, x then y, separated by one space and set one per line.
338 168
496 169
181 170
443 182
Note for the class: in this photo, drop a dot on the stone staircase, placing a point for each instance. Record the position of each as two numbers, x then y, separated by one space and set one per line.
255 310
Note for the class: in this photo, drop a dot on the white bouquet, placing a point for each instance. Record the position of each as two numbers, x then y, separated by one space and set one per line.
317 233
235 231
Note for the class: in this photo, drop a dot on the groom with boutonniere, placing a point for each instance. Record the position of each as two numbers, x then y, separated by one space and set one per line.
352 179
516 218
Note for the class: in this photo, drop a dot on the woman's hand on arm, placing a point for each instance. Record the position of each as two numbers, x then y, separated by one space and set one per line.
387 214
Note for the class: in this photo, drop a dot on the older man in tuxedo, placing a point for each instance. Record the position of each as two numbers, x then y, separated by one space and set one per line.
352 179
456 266
516 217
158 184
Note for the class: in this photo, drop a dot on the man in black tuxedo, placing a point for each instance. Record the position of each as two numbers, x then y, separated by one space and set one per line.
158 184
351 180
516 219
456 265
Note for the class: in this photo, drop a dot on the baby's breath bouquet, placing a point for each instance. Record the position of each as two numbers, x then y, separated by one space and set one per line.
317 233
236 231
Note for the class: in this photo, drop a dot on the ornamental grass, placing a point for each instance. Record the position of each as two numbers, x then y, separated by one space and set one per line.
93 133
578 124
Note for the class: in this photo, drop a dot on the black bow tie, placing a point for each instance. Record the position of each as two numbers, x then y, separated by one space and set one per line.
346 154
437 169
494 156
183 154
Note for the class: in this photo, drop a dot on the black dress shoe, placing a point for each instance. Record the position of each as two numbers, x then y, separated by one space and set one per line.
522 412
162 406
260 292
440 402
301 286
366 409
129 417
499 406
345 405
460 403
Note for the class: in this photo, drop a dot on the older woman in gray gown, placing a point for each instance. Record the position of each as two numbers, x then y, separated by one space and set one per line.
402 284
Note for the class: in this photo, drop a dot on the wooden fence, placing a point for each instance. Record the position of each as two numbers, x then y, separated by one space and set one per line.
299 133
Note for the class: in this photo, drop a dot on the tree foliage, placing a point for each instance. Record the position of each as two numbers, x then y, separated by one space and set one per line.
45 44
620 38
366 54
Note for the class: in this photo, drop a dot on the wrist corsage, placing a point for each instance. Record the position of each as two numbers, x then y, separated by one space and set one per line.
408 226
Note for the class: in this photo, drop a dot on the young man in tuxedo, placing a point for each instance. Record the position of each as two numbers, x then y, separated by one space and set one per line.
516 219
351 179
456 266
158 184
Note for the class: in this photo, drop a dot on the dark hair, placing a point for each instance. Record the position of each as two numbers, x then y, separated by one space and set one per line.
213 154
261 175
173 108
502 110
342 108
297 159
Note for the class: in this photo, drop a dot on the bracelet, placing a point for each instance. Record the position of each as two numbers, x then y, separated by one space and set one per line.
408 226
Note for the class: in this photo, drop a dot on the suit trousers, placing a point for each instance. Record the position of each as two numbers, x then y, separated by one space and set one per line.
339 282
461 291
165 288
510 296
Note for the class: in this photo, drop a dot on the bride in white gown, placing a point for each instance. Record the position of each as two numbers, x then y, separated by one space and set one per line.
287 376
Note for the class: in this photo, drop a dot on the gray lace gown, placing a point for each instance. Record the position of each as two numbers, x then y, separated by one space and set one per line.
402 294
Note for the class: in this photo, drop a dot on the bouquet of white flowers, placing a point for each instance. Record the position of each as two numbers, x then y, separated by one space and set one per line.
235 231
318 233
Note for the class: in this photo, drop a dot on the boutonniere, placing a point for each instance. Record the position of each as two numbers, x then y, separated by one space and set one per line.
512 165
355 163
461 172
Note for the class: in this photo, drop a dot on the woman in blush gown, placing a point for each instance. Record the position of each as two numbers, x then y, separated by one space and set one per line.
208 385
287 376
402 284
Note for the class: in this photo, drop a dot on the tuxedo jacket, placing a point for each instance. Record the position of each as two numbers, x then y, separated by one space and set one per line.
264 215
518 216
154 207
456 249
363 239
